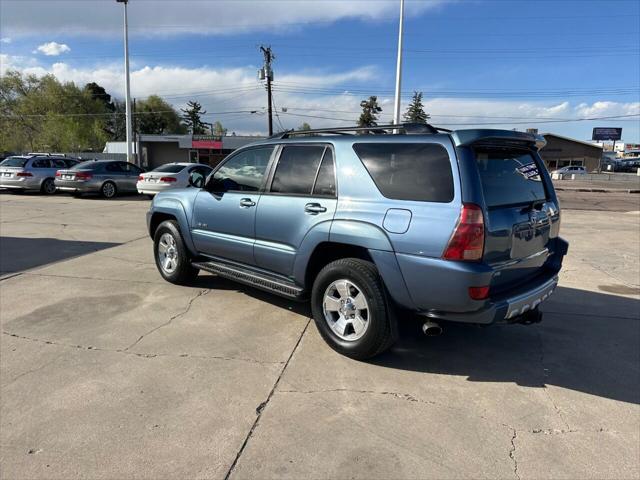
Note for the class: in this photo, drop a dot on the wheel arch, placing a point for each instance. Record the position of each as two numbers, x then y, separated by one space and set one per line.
170 209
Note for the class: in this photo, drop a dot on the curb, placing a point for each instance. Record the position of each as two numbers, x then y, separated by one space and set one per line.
597 190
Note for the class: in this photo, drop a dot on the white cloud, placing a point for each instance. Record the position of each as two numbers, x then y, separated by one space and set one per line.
158 17
52 49
5 40
237 90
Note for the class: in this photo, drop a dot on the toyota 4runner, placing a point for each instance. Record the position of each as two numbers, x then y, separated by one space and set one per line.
456 226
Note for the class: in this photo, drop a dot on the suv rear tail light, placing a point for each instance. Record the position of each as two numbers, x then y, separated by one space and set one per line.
24 174
467 241
83 176
168 179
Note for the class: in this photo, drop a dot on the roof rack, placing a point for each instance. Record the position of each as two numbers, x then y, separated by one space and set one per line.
401 128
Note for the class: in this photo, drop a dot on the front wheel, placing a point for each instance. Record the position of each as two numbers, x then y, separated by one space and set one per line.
172 258
351 310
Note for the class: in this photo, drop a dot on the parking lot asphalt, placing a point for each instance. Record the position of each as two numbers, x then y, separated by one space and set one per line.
107 371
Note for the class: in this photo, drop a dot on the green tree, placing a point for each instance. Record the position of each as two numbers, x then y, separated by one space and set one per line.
191 117
41 113
415 111
304 126
219 130
155 116
370 111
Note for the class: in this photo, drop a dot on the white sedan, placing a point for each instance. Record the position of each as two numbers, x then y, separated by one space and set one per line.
169 176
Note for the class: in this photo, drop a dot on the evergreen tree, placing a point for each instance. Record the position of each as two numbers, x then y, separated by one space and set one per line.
191 117
370 111
415 111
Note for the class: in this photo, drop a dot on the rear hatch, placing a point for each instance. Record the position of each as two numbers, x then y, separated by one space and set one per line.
522 217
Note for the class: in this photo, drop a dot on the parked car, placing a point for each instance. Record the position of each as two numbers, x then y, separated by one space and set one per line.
32 172
106 177
458 226
171 175
574 169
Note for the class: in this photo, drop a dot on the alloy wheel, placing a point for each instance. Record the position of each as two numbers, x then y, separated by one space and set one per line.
167 253
346 310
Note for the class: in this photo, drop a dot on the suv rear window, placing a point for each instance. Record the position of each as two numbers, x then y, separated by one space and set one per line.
170 168
509 177
409 171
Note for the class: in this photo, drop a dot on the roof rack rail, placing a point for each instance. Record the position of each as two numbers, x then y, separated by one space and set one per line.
402 128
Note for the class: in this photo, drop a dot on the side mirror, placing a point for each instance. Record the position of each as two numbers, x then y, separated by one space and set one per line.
196 179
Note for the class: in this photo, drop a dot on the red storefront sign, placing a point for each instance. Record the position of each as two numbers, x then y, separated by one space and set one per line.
206 141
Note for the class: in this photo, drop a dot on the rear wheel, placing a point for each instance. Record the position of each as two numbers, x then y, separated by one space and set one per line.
108 190
172 258
351 310
48 187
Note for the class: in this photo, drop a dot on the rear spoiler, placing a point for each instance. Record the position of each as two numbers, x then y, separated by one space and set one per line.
465 138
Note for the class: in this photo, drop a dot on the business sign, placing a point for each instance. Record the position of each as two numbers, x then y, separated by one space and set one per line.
206 141
603 133
631 147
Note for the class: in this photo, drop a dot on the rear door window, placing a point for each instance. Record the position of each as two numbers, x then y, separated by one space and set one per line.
297 169
40 163
509 177
409 171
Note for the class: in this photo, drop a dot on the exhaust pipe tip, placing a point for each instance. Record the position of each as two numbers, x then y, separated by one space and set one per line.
431 329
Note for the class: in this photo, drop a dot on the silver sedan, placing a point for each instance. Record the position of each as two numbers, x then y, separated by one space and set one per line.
106 177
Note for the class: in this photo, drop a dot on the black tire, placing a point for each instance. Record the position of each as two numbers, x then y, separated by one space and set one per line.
184 273
48 187
380 332
108 190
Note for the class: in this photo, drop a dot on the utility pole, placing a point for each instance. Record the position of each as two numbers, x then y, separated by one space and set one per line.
267 73
396 109
127 86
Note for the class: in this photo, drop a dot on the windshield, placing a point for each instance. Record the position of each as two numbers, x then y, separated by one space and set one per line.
169 168
509 177
14 162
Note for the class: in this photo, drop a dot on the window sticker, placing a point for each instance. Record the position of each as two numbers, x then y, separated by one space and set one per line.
529 171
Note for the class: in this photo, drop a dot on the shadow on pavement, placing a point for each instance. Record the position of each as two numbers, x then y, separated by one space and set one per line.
18 254
587 341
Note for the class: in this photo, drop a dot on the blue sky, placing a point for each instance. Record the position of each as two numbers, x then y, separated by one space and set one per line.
507 63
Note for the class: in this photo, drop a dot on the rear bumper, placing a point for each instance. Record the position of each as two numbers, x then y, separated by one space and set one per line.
147 188
440 289
80 187
24 183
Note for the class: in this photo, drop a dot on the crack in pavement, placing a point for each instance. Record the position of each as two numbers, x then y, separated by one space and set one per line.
201 293
545 375
143 355
260 409
512 451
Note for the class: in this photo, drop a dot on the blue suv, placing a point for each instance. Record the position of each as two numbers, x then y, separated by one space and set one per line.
458 226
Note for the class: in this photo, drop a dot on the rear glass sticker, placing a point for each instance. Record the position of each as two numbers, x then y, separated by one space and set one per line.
529 171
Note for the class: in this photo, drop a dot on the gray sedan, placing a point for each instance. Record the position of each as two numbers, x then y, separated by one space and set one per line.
32 172
106 177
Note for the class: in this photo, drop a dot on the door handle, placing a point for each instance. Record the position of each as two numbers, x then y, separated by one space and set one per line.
314 208
247 202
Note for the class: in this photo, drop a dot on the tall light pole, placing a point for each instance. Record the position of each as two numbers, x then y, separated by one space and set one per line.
396 107
127 86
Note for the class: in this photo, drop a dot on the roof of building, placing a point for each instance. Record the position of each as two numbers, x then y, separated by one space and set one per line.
568 139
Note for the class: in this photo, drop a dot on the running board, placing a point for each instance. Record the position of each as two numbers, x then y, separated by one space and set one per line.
247 276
